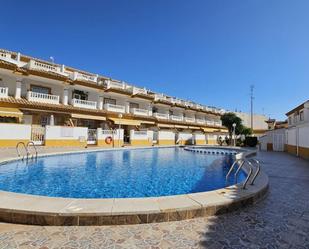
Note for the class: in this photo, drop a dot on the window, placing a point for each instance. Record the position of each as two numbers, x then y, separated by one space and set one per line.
40 89
295 118
301 116
290 120
109 101
77 94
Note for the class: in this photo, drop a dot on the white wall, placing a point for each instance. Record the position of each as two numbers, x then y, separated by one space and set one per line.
199 136
304 136
65 133
15 131
184 136
166 135
103 134
141 135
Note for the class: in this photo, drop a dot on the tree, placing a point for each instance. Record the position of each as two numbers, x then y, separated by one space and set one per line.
228 119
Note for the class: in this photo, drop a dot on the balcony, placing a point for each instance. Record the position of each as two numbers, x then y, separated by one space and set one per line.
200 121
218 123
137 90
41 66
7 57
84 103
85 77
4 92
190 120
209 122
161 115
176 101
116 85
160 97
141 112
176 118
115 108
43 98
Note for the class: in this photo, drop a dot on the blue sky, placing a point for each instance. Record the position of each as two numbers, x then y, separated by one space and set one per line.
209 51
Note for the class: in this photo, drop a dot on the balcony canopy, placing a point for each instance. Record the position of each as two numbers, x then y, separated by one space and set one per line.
10 112
92 117
124 121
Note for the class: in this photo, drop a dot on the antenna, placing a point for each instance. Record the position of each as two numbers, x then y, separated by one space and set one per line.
251 100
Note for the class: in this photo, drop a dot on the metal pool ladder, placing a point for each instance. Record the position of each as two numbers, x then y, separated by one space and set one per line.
35 150
18 151
26 149
251 169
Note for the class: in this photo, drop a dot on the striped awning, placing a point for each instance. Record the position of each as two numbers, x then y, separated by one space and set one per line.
92 117
10 112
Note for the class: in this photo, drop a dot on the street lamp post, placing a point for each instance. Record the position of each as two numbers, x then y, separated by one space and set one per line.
234 127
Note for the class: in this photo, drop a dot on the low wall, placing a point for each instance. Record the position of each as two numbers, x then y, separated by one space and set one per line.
297 141
166 138
141 138
185 138
116 135
199 139
66 136
11 134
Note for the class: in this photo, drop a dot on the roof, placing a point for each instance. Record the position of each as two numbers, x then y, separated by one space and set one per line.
298 108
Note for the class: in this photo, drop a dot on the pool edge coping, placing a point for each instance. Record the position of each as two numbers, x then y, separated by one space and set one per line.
43 210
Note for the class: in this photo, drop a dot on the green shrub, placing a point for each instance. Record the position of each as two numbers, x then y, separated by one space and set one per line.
251 141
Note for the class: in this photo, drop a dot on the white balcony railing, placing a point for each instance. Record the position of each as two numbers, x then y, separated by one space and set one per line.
200 121
161 115
218 123
209 122
85 77
115 108
190 120
43 97
176 118
160 97
117 85
137 90
137 111
4 92
84 103
41 66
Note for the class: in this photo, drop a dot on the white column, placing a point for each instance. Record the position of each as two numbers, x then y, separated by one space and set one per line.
100 103
150 110
127 105
18 89
52 120
65 98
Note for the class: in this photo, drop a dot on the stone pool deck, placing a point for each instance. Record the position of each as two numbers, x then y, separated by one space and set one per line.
279 221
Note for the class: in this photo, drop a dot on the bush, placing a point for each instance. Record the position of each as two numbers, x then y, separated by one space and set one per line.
251 141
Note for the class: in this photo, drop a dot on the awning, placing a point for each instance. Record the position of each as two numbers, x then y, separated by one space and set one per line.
146 122
123 121
194 128
209 129
82 116
10 112
166 125
181 126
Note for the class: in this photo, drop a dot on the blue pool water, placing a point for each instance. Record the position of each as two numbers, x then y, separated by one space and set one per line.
115 174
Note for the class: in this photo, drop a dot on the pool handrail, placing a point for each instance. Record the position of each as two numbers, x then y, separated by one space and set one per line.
257 162
33 145
18 152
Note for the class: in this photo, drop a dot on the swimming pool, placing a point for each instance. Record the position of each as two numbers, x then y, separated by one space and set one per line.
119 174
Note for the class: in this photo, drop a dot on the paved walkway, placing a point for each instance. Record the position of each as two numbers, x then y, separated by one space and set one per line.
279 221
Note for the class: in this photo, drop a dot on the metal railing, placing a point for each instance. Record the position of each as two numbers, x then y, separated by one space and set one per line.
18 151
26 148
35 150
251 170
